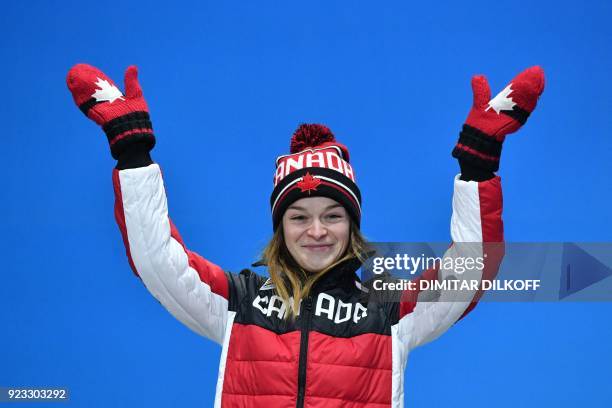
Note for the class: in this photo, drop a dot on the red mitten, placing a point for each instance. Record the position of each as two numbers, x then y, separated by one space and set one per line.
490 120
124 118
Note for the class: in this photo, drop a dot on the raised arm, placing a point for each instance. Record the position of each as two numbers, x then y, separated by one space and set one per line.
476 223
193 289
477 234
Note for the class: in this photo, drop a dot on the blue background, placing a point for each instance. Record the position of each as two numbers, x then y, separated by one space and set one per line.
227 84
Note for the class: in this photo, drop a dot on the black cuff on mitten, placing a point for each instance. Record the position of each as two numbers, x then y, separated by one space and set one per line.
469 172
478 149
134 127
135 154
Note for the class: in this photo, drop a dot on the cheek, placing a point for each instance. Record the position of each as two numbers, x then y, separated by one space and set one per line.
343 234
288 233
291 236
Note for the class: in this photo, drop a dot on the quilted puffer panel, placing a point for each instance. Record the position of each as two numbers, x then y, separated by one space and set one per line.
349 372
261 368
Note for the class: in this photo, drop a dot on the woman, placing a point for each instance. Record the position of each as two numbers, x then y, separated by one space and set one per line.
304 336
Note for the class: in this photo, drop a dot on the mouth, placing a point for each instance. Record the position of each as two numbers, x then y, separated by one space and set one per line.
318 247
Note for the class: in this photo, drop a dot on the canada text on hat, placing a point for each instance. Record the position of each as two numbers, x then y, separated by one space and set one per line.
329 156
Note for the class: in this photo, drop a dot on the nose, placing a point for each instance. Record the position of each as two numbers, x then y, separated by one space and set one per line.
317 230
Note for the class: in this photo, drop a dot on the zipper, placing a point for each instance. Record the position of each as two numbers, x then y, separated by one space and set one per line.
305 312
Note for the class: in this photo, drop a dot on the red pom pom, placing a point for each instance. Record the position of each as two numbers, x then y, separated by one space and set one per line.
310 135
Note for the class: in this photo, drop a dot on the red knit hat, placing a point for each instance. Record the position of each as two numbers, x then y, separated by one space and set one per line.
317 166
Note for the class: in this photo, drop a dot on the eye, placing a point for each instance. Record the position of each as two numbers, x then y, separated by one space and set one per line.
297 217
334 216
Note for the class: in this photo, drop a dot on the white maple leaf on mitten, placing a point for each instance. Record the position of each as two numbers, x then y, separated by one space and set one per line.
107 91
502 101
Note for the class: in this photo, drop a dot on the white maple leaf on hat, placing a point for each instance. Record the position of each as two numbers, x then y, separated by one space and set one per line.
107 92
502 101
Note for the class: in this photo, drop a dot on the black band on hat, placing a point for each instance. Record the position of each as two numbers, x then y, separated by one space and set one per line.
330 183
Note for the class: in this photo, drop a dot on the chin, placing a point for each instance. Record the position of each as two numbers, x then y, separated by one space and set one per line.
315 267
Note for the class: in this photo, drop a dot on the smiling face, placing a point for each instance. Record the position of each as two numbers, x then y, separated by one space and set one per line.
316 232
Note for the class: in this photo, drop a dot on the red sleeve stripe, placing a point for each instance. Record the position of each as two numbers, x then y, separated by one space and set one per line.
208 272
408 300
120 218
491 206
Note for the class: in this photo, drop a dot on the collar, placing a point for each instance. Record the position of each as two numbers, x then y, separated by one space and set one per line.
344 274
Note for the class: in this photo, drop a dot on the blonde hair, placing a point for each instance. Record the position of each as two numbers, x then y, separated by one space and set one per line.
292 282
